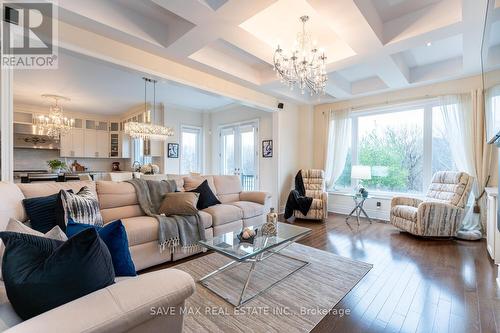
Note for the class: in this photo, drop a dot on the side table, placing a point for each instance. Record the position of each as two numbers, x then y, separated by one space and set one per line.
358 208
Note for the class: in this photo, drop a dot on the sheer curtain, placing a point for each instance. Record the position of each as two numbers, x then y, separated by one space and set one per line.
336 148
463 117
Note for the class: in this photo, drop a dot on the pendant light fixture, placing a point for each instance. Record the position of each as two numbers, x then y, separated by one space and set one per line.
149 129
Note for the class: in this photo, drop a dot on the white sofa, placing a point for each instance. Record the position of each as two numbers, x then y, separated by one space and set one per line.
128 305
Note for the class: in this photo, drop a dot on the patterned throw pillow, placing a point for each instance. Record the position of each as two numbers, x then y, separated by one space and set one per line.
82 207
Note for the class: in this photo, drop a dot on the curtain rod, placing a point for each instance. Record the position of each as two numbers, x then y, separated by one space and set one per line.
389 102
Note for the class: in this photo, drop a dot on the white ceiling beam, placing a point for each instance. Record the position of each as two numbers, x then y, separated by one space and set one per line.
351 20
422 39
194 40
213 25
432 17
391 73
432 72
370 84
338 86
85 42
192 10
473 19
248 42
236 11
403 67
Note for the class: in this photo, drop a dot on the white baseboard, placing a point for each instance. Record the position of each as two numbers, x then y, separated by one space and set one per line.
373 214
344 204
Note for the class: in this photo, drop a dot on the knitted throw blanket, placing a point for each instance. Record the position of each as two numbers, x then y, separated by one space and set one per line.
175 232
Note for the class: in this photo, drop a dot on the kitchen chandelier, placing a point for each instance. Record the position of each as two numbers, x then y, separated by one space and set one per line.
55 124
148 130
304 66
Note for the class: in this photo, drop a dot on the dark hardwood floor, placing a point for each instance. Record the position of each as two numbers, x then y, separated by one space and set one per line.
415 285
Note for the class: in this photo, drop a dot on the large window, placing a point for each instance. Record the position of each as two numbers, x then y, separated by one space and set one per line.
403 146
190 149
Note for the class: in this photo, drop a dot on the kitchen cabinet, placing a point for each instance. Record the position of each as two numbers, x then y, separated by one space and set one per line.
90 143
72 143
102 149
119 142
96 139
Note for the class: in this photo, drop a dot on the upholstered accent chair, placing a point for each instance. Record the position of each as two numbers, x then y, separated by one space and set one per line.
441 212
314 183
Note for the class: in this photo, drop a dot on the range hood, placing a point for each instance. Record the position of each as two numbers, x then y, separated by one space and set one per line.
26 138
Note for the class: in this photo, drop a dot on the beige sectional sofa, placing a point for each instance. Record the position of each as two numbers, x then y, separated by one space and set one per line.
126 305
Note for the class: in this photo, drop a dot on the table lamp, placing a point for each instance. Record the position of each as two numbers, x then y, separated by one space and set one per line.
360 173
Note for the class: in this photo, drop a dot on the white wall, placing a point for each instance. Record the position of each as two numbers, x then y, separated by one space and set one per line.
176 117
240 113
295 146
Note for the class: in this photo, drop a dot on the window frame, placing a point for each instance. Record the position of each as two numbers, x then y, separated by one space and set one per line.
427 105
199 131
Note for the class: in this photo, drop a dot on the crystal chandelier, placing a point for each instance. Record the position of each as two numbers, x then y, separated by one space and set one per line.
148 130
55 124
305 66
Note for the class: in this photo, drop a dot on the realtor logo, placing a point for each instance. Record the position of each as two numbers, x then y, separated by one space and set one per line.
29 30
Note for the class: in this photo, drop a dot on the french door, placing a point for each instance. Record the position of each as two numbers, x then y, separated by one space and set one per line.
239 153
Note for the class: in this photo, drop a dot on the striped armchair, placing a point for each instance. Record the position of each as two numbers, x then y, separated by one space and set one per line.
441 212
314 183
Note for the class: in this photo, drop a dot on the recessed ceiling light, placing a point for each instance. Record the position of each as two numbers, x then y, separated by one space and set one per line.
429 43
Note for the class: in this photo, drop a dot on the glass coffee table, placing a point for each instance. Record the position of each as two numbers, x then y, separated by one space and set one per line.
258 253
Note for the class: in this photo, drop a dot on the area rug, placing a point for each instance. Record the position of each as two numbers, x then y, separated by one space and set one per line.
295 304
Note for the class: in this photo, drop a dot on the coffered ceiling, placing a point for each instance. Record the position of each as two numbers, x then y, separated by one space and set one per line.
372 45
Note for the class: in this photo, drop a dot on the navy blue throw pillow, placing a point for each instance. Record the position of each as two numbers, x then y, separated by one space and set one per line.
115 237
44 212
41 273
207 197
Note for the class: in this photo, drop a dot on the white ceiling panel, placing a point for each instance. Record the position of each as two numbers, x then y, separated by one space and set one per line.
392 9
432 52
280 23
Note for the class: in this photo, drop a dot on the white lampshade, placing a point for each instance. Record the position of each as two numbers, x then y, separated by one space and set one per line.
361 172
